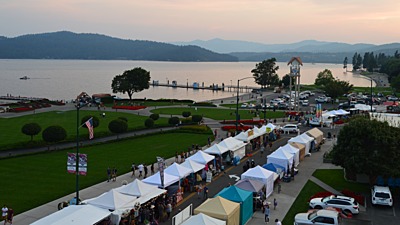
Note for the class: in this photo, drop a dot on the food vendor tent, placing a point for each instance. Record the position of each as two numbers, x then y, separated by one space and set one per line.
244 198
234 145
178 170
137 188
201 157
302 140
310 139
203 219
282 158
112 200
220 208
264 176
155 179
302 149
278 169
216 149
75 215
246 135
317 134
258 131
194 166
294 151
250 185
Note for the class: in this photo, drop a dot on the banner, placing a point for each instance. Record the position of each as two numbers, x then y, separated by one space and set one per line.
71 163
161 166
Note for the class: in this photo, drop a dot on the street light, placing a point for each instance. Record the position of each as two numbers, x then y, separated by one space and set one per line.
371 95
78 107
237 102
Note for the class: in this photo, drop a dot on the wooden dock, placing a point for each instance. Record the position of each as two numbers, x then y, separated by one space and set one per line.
214 87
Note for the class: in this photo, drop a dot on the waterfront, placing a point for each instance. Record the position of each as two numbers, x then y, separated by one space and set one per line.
65 79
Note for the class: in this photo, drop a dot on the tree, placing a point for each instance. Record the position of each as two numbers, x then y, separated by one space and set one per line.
53 134
131 81
197 118
118 126
336 88
345 63
95 120
286 80
363 145
265 73
155 116
354 62
31 129
395 83
173 120
324 77
149 122
186 114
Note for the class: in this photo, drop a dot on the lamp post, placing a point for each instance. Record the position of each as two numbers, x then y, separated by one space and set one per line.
371 96
78 107
237 102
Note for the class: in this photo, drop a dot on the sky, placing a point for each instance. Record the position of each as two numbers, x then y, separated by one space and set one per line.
263 21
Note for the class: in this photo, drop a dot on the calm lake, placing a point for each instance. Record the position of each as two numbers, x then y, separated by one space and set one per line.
65 79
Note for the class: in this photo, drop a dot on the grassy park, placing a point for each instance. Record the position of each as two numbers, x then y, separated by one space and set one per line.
335 179
33 180
218 113
14 138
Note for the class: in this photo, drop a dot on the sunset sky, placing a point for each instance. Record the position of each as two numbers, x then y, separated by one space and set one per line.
264 21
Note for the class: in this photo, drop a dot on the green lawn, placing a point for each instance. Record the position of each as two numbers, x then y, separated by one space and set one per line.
335 179
152 103
15 138
218 114
31 181
301 203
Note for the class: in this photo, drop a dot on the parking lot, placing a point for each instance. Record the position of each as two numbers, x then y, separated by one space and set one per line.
382 214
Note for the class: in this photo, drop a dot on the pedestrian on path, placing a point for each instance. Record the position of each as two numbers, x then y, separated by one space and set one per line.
275 203
133 169
199 189
205 196
262 150
146 170
10 216
266 213
152 168
108 174
140 167
278 222
114 174
4 212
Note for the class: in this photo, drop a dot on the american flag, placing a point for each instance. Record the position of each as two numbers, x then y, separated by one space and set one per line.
89 125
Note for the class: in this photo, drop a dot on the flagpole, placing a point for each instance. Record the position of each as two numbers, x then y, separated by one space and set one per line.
77 154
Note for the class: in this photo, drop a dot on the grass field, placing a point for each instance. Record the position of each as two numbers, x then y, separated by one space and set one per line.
218 114
31 181
335 179
13 137
301 203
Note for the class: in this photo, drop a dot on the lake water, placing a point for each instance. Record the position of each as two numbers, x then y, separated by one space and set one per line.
65 79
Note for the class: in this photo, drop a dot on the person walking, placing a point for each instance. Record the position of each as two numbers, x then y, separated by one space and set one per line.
146 170
199 189
169 210
133 169
108 174
4 212
275 203
278 222
140 167
262 150
205 196
266 213
152 168
10 216
114 174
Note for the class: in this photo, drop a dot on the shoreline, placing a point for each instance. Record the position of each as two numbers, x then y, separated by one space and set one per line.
380 79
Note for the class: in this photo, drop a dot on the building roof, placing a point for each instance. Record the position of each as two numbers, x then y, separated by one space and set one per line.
297 59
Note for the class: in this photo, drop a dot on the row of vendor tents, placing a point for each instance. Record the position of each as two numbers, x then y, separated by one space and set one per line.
124 198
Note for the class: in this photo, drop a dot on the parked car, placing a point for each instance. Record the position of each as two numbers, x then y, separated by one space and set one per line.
392 98
320 217
276 101
282 105
304 102
346 204
321 99
288 128
381 196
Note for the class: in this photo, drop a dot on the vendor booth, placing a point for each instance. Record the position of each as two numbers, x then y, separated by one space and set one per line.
278 169
264 176
201 157
234 145
302 140
246 136
203 219
155 179
250 185
302 149
220 208
310 139
317 135
282 158
112 200
194 166
216 149
138 188
294 151
75 215
244 198
178 170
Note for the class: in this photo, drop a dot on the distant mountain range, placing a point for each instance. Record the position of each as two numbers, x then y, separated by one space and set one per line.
68 45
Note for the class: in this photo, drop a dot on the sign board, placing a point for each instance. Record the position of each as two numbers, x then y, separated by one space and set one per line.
161 169
268 129
71 163
250 133
209 177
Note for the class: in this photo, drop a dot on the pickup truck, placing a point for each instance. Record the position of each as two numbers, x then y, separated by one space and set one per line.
322 217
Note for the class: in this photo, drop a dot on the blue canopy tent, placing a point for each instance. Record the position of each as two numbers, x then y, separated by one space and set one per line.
275 168
245 198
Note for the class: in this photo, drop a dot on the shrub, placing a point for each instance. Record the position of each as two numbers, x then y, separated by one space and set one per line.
54 134
95 120
186 114
173 120
118 126
196 128
155 116
197 118
149 122
31 129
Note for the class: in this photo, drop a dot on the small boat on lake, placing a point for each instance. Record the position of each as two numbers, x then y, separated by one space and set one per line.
24 78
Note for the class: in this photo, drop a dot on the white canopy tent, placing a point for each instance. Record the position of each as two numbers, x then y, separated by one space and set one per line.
201 157
234 145
264 176
155 179
342 112
269 127
178 170
203 219
194 166
75 215
246 136
112 200
302 140
294 151
309 138
139 188
216 149
363 107
258 131
281 157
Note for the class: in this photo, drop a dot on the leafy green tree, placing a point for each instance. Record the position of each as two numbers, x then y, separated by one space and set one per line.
369 147
345 63
95 120
354 62
395 83
265 73
131 81
324 78
173 120
53 134
149 122
186 114
155 116
118 126
336 88
286 80
31 129
359 61
197 118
